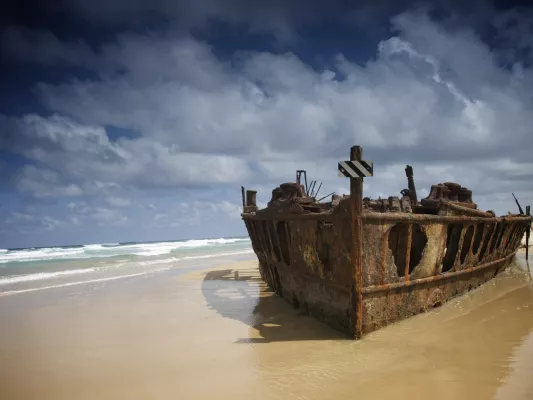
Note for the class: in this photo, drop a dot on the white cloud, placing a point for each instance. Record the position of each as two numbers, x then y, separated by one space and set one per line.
74 159
50 223
45 183
100 216
16 217
118 201
434 96
417 96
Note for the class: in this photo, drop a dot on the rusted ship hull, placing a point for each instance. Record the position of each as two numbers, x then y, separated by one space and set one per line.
306 260
412 261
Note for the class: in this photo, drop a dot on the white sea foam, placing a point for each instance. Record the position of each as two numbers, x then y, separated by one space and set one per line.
110 250
43 275
176 259
161 248
235 253
111 278
50 275
93 247
153 253
41 254
159 261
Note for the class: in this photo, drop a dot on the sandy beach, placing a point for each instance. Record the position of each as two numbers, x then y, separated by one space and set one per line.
218 332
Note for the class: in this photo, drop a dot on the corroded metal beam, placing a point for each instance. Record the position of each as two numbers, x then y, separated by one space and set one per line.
408 250
356 205
385 217
445 275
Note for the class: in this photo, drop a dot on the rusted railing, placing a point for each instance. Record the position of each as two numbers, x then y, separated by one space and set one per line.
467 244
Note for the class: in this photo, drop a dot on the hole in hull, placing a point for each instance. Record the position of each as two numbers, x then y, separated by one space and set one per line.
516 236
466 243
495 238
477 240
503 231
452 246
490 230
398 246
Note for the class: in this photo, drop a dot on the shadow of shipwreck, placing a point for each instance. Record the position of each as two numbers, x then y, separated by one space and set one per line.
243 296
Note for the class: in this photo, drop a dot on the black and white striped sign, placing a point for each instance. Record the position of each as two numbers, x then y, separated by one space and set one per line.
356 169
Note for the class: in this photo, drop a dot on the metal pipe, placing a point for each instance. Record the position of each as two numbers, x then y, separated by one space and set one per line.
468 211
446 275
311 187
322 198
318 190
518 204
356 253
421 218
528 232
411 184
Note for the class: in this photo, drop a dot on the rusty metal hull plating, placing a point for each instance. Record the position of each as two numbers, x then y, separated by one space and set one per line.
411 262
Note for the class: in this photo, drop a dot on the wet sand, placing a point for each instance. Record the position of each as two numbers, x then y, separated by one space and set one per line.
220 333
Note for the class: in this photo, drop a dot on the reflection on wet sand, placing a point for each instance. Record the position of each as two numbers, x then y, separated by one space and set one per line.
479 346
242 295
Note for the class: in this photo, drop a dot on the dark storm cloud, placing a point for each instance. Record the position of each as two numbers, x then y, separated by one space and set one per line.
282 18
42 46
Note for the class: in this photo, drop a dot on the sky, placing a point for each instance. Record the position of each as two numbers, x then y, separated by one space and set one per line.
140 120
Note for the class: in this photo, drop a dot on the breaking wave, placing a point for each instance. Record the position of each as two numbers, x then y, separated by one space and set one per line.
50 275
110 250
43 275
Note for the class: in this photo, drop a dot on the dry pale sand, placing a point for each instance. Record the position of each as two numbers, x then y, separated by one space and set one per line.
220 334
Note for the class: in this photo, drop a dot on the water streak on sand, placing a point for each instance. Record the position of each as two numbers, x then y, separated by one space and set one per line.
43 275
112 278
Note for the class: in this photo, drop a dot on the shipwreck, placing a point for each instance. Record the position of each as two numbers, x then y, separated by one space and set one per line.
359 264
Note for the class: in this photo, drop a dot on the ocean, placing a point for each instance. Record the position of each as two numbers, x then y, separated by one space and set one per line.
31 269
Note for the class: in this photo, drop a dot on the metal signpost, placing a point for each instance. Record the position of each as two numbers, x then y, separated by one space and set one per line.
356 169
